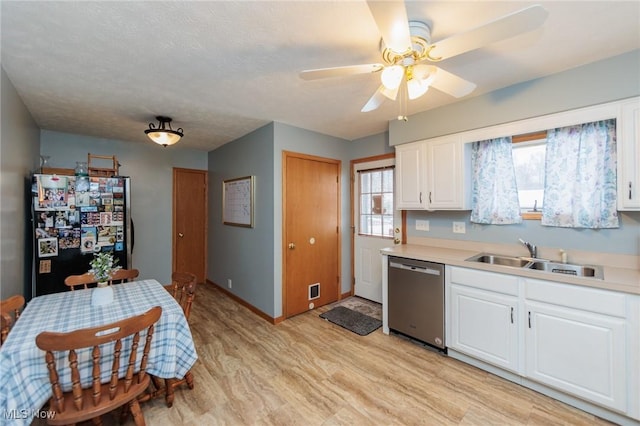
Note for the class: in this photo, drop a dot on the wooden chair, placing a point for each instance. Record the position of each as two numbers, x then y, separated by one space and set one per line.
86 279
183 289
9 313
99 398
73 281
124 276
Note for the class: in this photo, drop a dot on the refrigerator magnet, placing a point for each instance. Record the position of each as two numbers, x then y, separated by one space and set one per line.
47 247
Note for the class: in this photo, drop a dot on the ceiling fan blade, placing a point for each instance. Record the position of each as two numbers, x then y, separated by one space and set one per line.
393 24
502 28
340 71
375 101
451 84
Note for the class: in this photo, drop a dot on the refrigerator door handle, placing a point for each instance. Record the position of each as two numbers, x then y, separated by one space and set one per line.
133 236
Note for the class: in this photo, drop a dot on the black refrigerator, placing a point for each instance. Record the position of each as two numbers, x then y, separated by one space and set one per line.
74 217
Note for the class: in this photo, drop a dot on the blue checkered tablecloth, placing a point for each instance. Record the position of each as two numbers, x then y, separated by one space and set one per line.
24 380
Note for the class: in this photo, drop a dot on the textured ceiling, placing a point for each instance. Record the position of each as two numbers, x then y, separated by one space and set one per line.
222 69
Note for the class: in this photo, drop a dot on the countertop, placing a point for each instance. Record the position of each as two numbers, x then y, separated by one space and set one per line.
615 279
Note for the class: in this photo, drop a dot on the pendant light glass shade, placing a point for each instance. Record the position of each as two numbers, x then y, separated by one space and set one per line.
419 79
163 134
392 76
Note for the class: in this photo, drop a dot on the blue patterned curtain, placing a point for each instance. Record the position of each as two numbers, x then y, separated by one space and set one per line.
580 176
495 193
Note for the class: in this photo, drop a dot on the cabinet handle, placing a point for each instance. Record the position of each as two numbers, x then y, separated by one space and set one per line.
529 319
630 190
512 315
420 197
429 197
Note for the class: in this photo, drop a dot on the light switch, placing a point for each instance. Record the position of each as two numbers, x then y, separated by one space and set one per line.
422 225
459 228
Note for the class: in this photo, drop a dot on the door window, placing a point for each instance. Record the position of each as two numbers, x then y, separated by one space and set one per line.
376 202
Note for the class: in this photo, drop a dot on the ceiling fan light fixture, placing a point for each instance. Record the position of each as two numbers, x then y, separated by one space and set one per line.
416 88
419 79
391 76
163 134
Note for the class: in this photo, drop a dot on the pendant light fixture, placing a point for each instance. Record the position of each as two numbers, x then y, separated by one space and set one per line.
163 134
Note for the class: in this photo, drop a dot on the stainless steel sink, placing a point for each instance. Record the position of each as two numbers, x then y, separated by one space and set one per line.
542 265
568 269
495 259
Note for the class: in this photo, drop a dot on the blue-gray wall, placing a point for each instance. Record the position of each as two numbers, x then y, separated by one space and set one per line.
252 257
19 156
289 138
244 255
623 240
150 167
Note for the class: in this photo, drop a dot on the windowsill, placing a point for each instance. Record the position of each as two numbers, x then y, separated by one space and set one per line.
531 215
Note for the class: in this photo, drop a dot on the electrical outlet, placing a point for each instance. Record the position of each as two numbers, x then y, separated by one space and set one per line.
459 228
229 282
422 225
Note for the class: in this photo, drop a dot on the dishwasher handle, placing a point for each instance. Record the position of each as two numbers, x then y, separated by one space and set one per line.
414 268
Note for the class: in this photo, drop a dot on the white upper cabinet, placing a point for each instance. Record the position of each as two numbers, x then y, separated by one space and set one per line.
411 176
629 155
448 172
433 175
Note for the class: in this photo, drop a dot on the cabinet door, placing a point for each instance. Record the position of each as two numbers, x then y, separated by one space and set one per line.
484 325
578 352
445 175
411 176
629 156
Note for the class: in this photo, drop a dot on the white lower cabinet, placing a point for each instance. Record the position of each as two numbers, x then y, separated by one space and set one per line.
484 324
577 340
578 352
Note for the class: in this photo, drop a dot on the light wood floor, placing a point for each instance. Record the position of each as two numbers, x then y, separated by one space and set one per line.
306 371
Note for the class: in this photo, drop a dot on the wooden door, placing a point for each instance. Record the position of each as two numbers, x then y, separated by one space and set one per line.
190 222
311 210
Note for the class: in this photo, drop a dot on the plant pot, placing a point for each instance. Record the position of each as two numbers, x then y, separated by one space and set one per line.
101 295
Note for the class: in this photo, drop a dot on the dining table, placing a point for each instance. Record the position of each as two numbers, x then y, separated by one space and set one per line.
24 378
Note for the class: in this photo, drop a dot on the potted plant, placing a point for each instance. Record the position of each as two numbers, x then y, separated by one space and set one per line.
103 265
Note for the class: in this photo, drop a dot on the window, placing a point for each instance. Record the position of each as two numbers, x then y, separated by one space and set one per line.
376 202
528 160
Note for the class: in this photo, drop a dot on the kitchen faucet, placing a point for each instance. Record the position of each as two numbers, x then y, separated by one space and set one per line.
533 250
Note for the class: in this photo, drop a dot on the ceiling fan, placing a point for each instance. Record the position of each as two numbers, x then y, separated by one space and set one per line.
407 51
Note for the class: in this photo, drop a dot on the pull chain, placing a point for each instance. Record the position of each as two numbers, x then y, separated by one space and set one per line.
402 102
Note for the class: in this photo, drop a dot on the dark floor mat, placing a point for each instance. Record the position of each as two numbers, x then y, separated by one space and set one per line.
351 320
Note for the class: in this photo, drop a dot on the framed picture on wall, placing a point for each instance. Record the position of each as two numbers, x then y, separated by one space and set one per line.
237 201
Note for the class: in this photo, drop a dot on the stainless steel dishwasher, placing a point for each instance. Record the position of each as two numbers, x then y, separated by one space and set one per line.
416 299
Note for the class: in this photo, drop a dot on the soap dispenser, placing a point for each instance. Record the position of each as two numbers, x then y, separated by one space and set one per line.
563 256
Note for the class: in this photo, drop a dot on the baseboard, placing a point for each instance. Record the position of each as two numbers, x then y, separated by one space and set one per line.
247 305
345 295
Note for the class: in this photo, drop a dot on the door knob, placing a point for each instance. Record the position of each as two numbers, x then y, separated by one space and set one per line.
291 246
180 234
